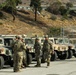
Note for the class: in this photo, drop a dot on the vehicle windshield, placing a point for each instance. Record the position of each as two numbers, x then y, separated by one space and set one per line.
28 41
1 41
7 41
62 41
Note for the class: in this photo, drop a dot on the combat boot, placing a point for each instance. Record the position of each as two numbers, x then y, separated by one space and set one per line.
48 64
37 65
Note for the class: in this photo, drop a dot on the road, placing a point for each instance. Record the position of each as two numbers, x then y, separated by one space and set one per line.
59 67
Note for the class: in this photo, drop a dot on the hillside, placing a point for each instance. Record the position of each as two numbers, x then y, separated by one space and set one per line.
25 24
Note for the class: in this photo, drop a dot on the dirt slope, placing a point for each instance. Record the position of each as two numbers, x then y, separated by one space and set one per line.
25 24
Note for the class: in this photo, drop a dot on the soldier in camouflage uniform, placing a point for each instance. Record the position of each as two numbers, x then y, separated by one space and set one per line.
47 49
24 64
37 48
18 54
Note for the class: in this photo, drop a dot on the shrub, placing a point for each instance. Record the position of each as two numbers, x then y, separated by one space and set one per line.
1 14
53 17
54 31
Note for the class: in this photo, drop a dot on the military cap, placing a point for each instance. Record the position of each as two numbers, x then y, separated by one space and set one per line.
23 35
19 36
46 36
16 36
37 38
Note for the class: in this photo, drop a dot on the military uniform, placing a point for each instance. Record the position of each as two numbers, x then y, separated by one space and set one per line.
47 49
24 64
37 48
18 55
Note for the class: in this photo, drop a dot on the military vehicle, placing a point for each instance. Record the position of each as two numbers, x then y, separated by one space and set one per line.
63 48
54 55
5 55
29 49
73 42
29 46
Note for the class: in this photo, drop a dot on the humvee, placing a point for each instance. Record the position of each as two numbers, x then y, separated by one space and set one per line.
67 48
5 55
29 46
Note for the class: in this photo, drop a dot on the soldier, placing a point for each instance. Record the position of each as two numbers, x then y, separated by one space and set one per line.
47 49
24 53
37 48
13 42
18 54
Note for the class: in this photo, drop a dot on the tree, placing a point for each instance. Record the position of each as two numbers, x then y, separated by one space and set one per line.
68 5
54 7
10 5
36 4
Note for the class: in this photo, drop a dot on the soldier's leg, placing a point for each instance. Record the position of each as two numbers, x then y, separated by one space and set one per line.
15 62
20 59
48 59
39 61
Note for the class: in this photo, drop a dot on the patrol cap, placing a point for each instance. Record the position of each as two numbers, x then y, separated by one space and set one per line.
16 36
37 38
19 36
23 35
46 36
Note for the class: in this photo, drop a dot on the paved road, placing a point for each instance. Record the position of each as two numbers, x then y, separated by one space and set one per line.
64 67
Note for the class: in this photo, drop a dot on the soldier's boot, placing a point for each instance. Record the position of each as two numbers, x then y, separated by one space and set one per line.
48 64
38 63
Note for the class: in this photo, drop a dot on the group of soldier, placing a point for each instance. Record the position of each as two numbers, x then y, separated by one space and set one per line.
19 48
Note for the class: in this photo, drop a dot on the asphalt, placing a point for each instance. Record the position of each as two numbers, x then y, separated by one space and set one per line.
58 67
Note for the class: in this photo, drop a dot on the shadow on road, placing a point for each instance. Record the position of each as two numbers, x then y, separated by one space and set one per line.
36 67
52 74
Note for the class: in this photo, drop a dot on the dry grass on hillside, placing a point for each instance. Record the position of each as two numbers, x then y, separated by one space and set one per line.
25 24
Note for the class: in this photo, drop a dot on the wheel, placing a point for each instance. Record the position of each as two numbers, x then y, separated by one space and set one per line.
54 56
1 62
74 53
11 63
63 55
29 59
70 54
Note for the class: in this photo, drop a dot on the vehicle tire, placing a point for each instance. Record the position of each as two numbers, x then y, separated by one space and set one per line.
63 55
70 54
1 62
74 53
53 56
29 59
11 63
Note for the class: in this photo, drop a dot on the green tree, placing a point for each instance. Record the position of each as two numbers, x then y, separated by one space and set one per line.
36 4
10 5
69 4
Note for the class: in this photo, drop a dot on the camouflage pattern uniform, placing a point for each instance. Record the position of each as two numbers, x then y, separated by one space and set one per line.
18 54
37 48
47 49
24 64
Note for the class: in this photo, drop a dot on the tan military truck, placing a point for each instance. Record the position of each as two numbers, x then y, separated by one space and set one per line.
29 46
63 48
5 55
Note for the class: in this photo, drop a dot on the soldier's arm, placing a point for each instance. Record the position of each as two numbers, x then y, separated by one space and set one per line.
23 46
51 46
